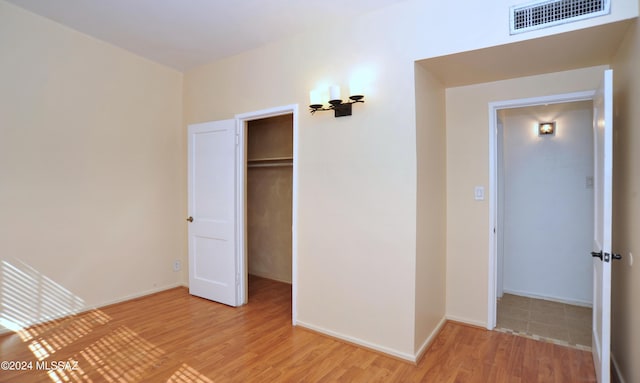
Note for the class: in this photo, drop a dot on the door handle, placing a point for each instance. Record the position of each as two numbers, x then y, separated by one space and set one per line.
606 256
190 219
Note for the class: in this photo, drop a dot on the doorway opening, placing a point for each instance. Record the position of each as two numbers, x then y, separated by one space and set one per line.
542 218
269 190
267 174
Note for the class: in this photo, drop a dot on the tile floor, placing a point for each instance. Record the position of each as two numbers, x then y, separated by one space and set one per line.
553 321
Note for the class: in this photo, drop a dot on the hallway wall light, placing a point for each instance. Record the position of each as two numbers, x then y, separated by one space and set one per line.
336 104
546 128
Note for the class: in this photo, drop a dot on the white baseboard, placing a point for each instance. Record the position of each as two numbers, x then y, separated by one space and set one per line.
430 339
549 298
468 321
358 342
616 370
137 295
4 329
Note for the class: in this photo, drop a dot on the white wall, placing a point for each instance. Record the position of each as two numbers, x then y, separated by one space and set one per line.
548 208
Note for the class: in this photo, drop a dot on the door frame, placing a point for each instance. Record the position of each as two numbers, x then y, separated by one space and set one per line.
241 181
494 107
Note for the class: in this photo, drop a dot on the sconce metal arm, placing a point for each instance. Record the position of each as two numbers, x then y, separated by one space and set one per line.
340 108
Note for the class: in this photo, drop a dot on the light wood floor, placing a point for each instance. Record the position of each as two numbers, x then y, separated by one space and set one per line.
174 337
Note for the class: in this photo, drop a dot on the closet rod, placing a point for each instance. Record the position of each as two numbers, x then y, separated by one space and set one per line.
268 165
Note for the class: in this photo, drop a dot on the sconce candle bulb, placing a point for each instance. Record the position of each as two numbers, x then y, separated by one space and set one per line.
336 104
334 93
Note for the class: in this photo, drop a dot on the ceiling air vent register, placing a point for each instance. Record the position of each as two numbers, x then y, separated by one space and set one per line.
543 14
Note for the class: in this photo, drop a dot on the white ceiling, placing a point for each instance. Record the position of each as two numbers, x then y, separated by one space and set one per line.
184 34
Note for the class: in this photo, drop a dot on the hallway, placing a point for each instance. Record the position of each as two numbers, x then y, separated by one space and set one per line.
555 322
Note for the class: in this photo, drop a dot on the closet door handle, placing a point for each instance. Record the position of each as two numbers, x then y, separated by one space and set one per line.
190 219
597 254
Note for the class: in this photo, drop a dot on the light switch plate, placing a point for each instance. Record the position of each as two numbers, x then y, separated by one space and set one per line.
478 193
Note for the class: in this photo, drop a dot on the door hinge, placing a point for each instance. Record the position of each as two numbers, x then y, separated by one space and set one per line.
237 140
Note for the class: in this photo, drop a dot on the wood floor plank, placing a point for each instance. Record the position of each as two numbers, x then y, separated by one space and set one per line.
175 337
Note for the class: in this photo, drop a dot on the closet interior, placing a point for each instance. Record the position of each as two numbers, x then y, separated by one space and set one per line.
269 197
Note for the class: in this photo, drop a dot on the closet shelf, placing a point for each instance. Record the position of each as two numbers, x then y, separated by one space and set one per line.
269 162
269 159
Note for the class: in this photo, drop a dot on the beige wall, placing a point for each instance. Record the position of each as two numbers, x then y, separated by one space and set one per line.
626 207
97 183
358 209
356 177
431 206
91 167
468 166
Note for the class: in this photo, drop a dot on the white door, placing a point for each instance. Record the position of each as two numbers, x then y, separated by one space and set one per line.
212 211
602 255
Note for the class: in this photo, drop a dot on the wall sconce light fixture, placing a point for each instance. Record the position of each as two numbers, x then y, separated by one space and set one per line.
546 128
336 104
